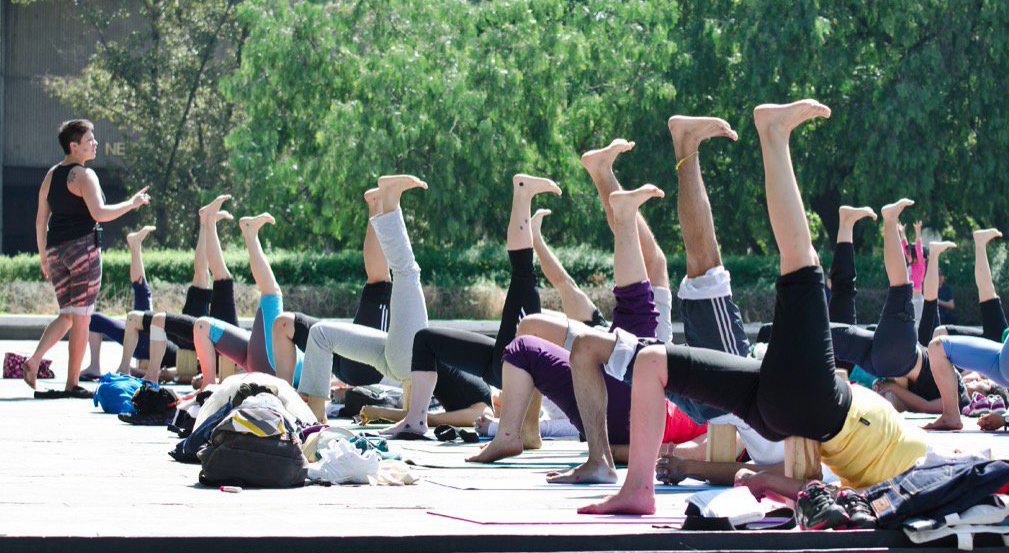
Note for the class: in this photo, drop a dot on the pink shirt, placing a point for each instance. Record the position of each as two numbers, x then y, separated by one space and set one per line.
917 264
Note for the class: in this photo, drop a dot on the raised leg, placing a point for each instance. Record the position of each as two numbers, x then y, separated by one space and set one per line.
210 214
784 202
375 264
931 286
692 205
848 216
574 302
524 187
201 267
982 270
893 252
135 240
262 273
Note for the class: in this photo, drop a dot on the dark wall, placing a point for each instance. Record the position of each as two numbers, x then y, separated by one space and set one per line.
20 204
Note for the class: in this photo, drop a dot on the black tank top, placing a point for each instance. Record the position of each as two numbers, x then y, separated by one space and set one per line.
70 218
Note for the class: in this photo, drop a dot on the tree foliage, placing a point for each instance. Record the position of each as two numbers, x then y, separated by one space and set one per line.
156 74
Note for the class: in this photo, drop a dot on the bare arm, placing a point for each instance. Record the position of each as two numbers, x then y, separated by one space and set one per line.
86 182
42 222
912 401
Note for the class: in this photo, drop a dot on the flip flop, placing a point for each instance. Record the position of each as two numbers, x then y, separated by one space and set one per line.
89 377
51 394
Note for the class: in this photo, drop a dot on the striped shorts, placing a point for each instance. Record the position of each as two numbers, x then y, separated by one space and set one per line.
75 270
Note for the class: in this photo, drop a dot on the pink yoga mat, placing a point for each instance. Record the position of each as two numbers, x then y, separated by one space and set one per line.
554 517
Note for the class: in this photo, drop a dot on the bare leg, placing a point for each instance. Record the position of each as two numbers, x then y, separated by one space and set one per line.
575 303
982 270
131 336
692 205
784 203
460 417
210 214
422 384
548 327
157 348
53 333
514 404
375 264
391 187
637 495
848 216
205 351
285 353
135 240
893 252
524 187
95 348
262 273
931 286
78 343
201 272
599 164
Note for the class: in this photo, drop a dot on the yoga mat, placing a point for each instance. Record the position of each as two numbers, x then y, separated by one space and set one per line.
491 486
554 517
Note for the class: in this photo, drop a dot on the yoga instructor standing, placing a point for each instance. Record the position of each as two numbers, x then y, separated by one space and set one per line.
71 204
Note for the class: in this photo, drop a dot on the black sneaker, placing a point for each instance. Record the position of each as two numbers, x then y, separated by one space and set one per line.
816 508
856 506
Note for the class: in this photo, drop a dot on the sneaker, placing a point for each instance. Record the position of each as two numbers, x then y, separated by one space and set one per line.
816 508
979 405
996 404
856 506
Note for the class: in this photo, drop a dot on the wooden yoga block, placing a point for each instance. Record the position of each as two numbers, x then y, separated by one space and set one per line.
802 459
186 363
225 368
721 443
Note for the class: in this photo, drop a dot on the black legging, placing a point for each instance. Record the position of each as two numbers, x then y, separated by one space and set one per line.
218 303
373 312
454 352
793 391
993 322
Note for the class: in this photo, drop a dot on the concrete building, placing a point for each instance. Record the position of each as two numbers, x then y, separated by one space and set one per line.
40 39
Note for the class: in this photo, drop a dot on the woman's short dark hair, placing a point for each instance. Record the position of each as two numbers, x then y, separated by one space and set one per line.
72 131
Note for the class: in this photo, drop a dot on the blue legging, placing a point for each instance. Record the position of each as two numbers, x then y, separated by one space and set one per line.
254 350
979 354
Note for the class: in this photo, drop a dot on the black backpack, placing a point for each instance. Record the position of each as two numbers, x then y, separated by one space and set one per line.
254 447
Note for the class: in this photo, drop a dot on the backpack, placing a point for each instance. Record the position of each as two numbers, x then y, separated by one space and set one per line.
254 447
115 393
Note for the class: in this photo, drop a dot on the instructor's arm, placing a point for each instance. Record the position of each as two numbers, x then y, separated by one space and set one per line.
42 223
90 190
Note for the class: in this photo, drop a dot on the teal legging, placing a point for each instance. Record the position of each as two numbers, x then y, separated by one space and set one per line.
254 350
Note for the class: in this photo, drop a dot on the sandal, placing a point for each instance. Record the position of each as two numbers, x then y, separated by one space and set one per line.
51 394
79 392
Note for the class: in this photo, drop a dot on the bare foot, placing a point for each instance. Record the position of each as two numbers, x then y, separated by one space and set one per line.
505 444
223 215
590 472
945 422
531 438
689 132
626 202
982 236
373 196
602 159
850 215
211 209
393 186
412 427
892 211
31 371
528 184
936 248
92 370
625 502
134 239
537 221
782 118
991 421
253 224
482 425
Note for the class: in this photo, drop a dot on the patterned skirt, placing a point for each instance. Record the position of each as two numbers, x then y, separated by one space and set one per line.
75 270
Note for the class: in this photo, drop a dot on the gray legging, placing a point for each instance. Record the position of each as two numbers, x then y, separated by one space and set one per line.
389 352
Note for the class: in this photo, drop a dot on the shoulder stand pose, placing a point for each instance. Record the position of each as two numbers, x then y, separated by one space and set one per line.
389 352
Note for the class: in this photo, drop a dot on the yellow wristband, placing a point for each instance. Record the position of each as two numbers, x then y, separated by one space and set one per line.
685 158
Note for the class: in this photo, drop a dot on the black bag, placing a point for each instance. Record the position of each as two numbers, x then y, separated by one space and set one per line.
359 396
254 447
152 399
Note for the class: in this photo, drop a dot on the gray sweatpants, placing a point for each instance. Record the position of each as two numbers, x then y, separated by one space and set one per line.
389 352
